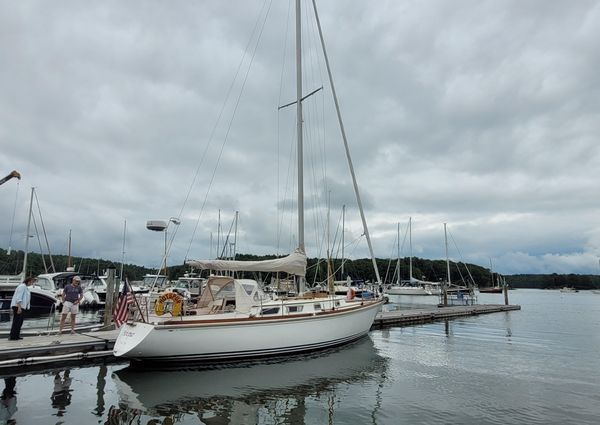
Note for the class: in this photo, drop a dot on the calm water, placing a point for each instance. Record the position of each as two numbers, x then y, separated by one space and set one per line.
540 365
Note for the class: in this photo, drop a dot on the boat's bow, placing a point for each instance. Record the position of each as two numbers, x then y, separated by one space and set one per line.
130 337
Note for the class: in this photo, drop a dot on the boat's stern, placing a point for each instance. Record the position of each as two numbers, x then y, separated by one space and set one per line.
130 337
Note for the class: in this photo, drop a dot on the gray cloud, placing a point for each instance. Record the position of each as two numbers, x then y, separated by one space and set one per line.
483 115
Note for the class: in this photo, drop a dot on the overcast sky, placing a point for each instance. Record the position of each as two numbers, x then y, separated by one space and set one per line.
480 114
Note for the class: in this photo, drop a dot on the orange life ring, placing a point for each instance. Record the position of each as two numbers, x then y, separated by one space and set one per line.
167 298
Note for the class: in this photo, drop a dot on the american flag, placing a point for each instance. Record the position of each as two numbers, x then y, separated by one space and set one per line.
125 298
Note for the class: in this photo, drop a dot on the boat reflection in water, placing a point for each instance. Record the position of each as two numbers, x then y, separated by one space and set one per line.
243 392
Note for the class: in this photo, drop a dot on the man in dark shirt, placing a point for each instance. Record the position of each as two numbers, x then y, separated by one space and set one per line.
71 296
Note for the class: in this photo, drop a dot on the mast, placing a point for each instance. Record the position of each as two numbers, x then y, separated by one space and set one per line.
398 250
69 249
347 149
410 278
237 213
330 277
343 228
447 258
27 234
123 251
300 152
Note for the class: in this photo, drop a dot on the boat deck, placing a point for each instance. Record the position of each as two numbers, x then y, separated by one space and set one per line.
51 348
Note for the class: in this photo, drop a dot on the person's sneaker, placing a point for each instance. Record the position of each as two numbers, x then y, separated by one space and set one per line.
72 332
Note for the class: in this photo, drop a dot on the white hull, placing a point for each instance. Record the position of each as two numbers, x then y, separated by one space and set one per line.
411 290
139 388
236 338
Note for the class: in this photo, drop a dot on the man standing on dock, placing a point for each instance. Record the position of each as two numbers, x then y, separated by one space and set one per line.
21 301
71 296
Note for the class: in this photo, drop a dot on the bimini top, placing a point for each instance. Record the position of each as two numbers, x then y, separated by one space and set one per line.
294 263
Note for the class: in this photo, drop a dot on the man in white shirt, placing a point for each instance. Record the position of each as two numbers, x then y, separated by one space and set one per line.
21 301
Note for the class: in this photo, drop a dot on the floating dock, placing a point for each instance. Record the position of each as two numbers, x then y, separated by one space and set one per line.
404 317
40 349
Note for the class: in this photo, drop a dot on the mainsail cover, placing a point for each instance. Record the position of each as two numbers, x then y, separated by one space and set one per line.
294 263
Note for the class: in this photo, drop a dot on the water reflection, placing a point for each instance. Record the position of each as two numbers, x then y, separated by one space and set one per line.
8 401
100 384
61 395
242 393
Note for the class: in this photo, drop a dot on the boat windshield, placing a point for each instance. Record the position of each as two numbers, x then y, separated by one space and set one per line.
149 280
96 284
45 283
227 291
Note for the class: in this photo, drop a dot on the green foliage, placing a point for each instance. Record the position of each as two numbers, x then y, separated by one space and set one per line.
38 264
553 281
432 270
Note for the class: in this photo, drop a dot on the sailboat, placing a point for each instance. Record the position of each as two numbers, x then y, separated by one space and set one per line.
495 288
43 300
454 293
234 318
413 286
300 376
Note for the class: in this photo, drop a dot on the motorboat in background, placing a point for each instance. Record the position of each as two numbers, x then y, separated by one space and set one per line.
44 298
94 290
189 286
568 289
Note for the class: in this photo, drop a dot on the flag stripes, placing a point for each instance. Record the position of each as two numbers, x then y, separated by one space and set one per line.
125 298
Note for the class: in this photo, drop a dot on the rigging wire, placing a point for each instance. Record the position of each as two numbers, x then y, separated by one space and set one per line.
37 202
461 259
225 102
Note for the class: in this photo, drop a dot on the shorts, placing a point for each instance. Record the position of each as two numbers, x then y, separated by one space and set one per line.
69 307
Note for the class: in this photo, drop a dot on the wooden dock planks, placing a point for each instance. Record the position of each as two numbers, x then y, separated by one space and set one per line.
33 349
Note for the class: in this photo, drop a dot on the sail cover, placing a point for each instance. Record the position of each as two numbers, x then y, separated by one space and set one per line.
294 263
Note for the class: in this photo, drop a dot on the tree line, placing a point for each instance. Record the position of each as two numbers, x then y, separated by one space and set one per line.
316 272
11 264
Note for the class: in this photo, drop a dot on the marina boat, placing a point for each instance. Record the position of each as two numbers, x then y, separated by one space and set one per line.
94 292
43 298
453 293
352 289
495 287
46 291
234 318
491 290
189 286
138 389
415 287
568 289
412 286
